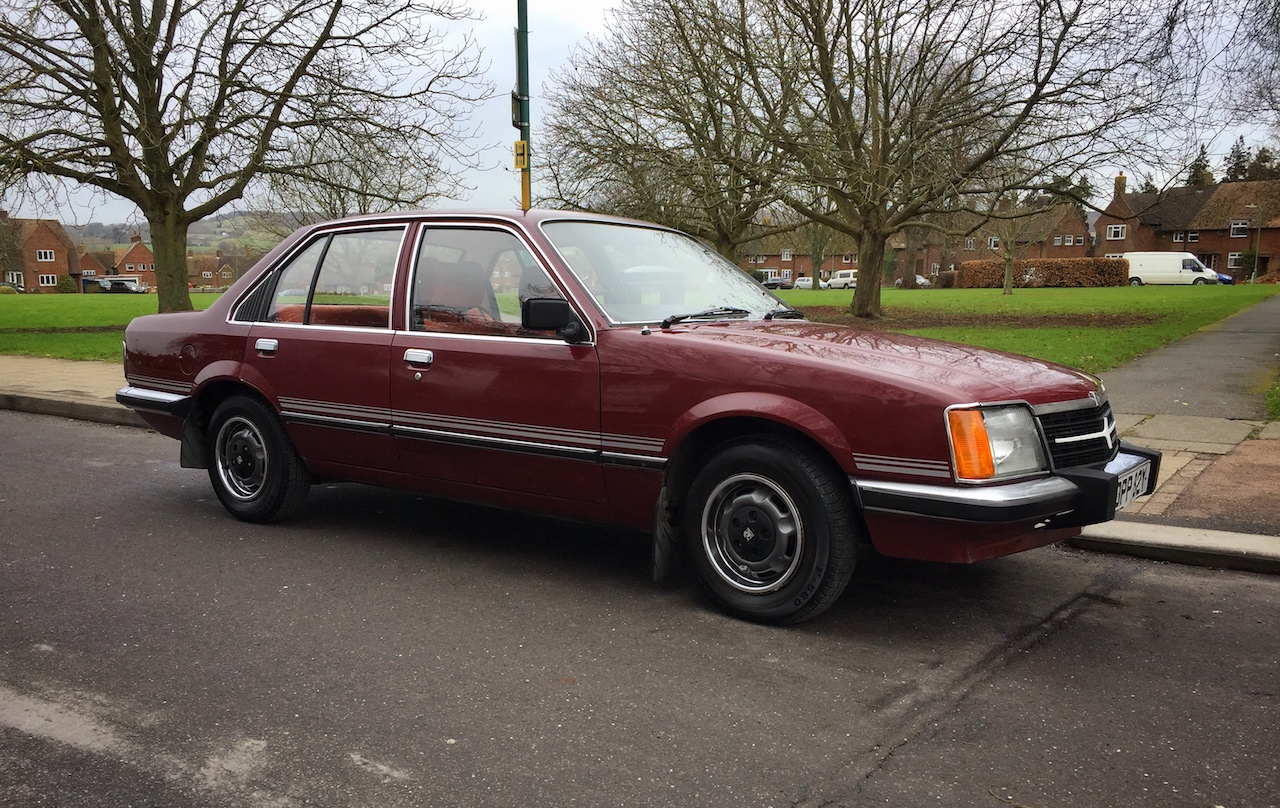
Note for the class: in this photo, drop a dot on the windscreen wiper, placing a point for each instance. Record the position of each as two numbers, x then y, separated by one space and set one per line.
719 311
786 313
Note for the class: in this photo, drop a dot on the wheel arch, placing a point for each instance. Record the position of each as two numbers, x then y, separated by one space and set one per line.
193 452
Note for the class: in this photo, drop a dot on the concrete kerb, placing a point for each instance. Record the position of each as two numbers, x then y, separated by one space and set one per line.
79 410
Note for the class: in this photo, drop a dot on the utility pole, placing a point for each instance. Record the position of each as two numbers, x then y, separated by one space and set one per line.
520 102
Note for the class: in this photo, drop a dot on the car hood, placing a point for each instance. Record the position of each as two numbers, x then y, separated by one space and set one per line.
951 371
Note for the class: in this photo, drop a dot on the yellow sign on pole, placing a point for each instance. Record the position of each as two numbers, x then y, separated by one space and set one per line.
522 155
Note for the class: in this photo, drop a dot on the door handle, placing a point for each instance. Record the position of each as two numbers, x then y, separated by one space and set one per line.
417 357
267 346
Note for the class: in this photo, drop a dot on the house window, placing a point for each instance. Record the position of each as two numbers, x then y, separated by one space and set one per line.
14 278
993 242
1193 236
1179 236
206 274
786 274
151 267
1114 255
44 255
48 280
1057 240
786 255
1115 232
1080 242
1233 260
1239 228
90 273
970 244
846 258
128 267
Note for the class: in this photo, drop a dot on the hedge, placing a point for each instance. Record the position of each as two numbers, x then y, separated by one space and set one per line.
1029 272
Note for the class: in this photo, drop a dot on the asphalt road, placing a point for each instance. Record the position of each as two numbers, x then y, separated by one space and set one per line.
391 650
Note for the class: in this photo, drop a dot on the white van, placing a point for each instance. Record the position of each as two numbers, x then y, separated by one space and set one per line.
844 279
1168 267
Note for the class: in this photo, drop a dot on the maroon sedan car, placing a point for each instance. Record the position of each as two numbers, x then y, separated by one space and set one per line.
602 369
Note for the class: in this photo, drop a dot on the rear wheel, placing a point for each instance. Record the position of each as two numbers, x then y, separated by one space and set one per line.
254 468
1135 281
771 529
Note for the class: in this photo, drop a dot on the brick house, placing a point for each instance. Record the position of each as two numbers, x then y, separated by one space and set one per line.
42 253
1056 231
1219 224
136 261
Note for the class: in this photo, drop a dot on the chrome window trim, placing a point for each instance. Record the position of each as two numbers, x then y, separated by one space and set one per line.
405 223
426 223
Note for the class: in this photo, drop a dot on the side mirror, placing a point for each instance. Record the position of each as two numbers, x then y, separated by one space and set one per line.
552 314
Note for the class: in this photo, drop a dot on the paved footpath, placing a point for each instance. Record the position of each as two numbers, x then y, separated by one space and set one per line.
1200 401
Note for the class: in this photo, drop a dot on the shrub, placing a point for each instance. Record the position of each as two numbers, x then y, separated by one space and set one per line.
67 285
948 279
1060 272
8 290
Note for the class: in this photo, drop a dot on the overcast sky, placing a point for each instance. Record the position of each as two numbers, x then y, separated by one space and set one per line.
554 29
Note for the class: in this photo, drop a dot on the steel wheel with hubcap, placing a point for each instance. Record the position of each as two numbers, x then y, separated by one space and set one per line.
771 529
253 466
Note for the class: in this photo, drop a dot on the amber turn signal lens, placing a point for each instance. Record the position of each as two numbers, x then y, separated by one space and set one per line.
970 446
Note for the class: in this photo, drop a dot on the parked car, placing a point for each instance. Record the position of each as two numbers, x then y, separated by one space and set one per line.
15 287
807 283
614 371
1226 279
777 283
844 279
127 286
921 282
1168 268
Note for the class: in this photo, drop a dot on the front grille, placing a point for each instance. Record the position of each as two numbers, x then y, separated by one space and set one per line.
1060 428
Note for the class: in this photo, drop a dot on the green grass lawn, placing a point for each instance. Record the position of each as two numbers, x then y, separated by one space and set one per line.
1043 329
73 326
1062 325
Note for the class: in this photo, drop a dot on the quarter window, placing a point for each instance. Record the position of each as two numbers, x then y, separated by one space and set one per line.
1115 232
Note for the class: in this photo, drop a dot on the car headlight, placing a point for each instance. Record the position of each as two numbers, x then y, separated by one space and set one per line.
995 442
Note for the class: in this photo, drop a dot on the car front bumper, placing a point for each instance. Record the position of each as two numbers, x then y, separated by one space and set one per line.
1068 498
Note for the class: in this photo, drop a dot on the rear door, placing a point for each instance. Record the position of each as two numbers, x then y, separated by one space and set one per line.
322 345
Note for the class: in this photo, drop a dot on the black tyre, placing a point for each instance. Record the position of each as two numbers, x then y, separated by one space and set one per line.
1199 282
253 466
771 530
1135 281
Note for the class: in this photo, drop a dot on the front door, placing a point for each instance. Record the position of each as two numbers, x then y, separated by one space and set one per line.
476 400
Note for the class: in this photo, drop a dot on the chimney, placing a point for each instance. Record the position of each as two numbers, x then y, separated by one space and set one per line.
136 238
1120 184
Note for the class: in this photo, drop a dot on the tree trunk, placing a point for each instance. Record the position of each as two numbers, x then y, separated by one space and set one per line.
1008 273
169 244
866 298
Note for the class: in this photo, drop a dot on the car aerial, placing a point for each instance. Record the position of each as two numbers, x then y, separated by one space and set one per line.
807 283
613 371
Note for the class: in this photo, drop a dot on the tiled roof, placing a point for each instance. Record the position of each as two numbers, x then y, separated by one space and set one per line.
1231 200
1171 210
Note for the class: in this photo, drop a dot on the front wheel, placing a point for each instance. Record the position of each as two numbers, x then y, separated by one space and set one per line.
254 468
1199 282
771 529
1135 281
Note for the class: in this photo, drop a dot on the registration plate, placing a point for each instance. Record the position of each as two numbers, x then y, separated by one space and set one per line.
1132 484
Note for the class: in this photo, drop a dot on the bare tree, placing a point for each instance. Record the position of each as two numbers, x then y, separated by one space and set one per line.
178 107
896 109
642 124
